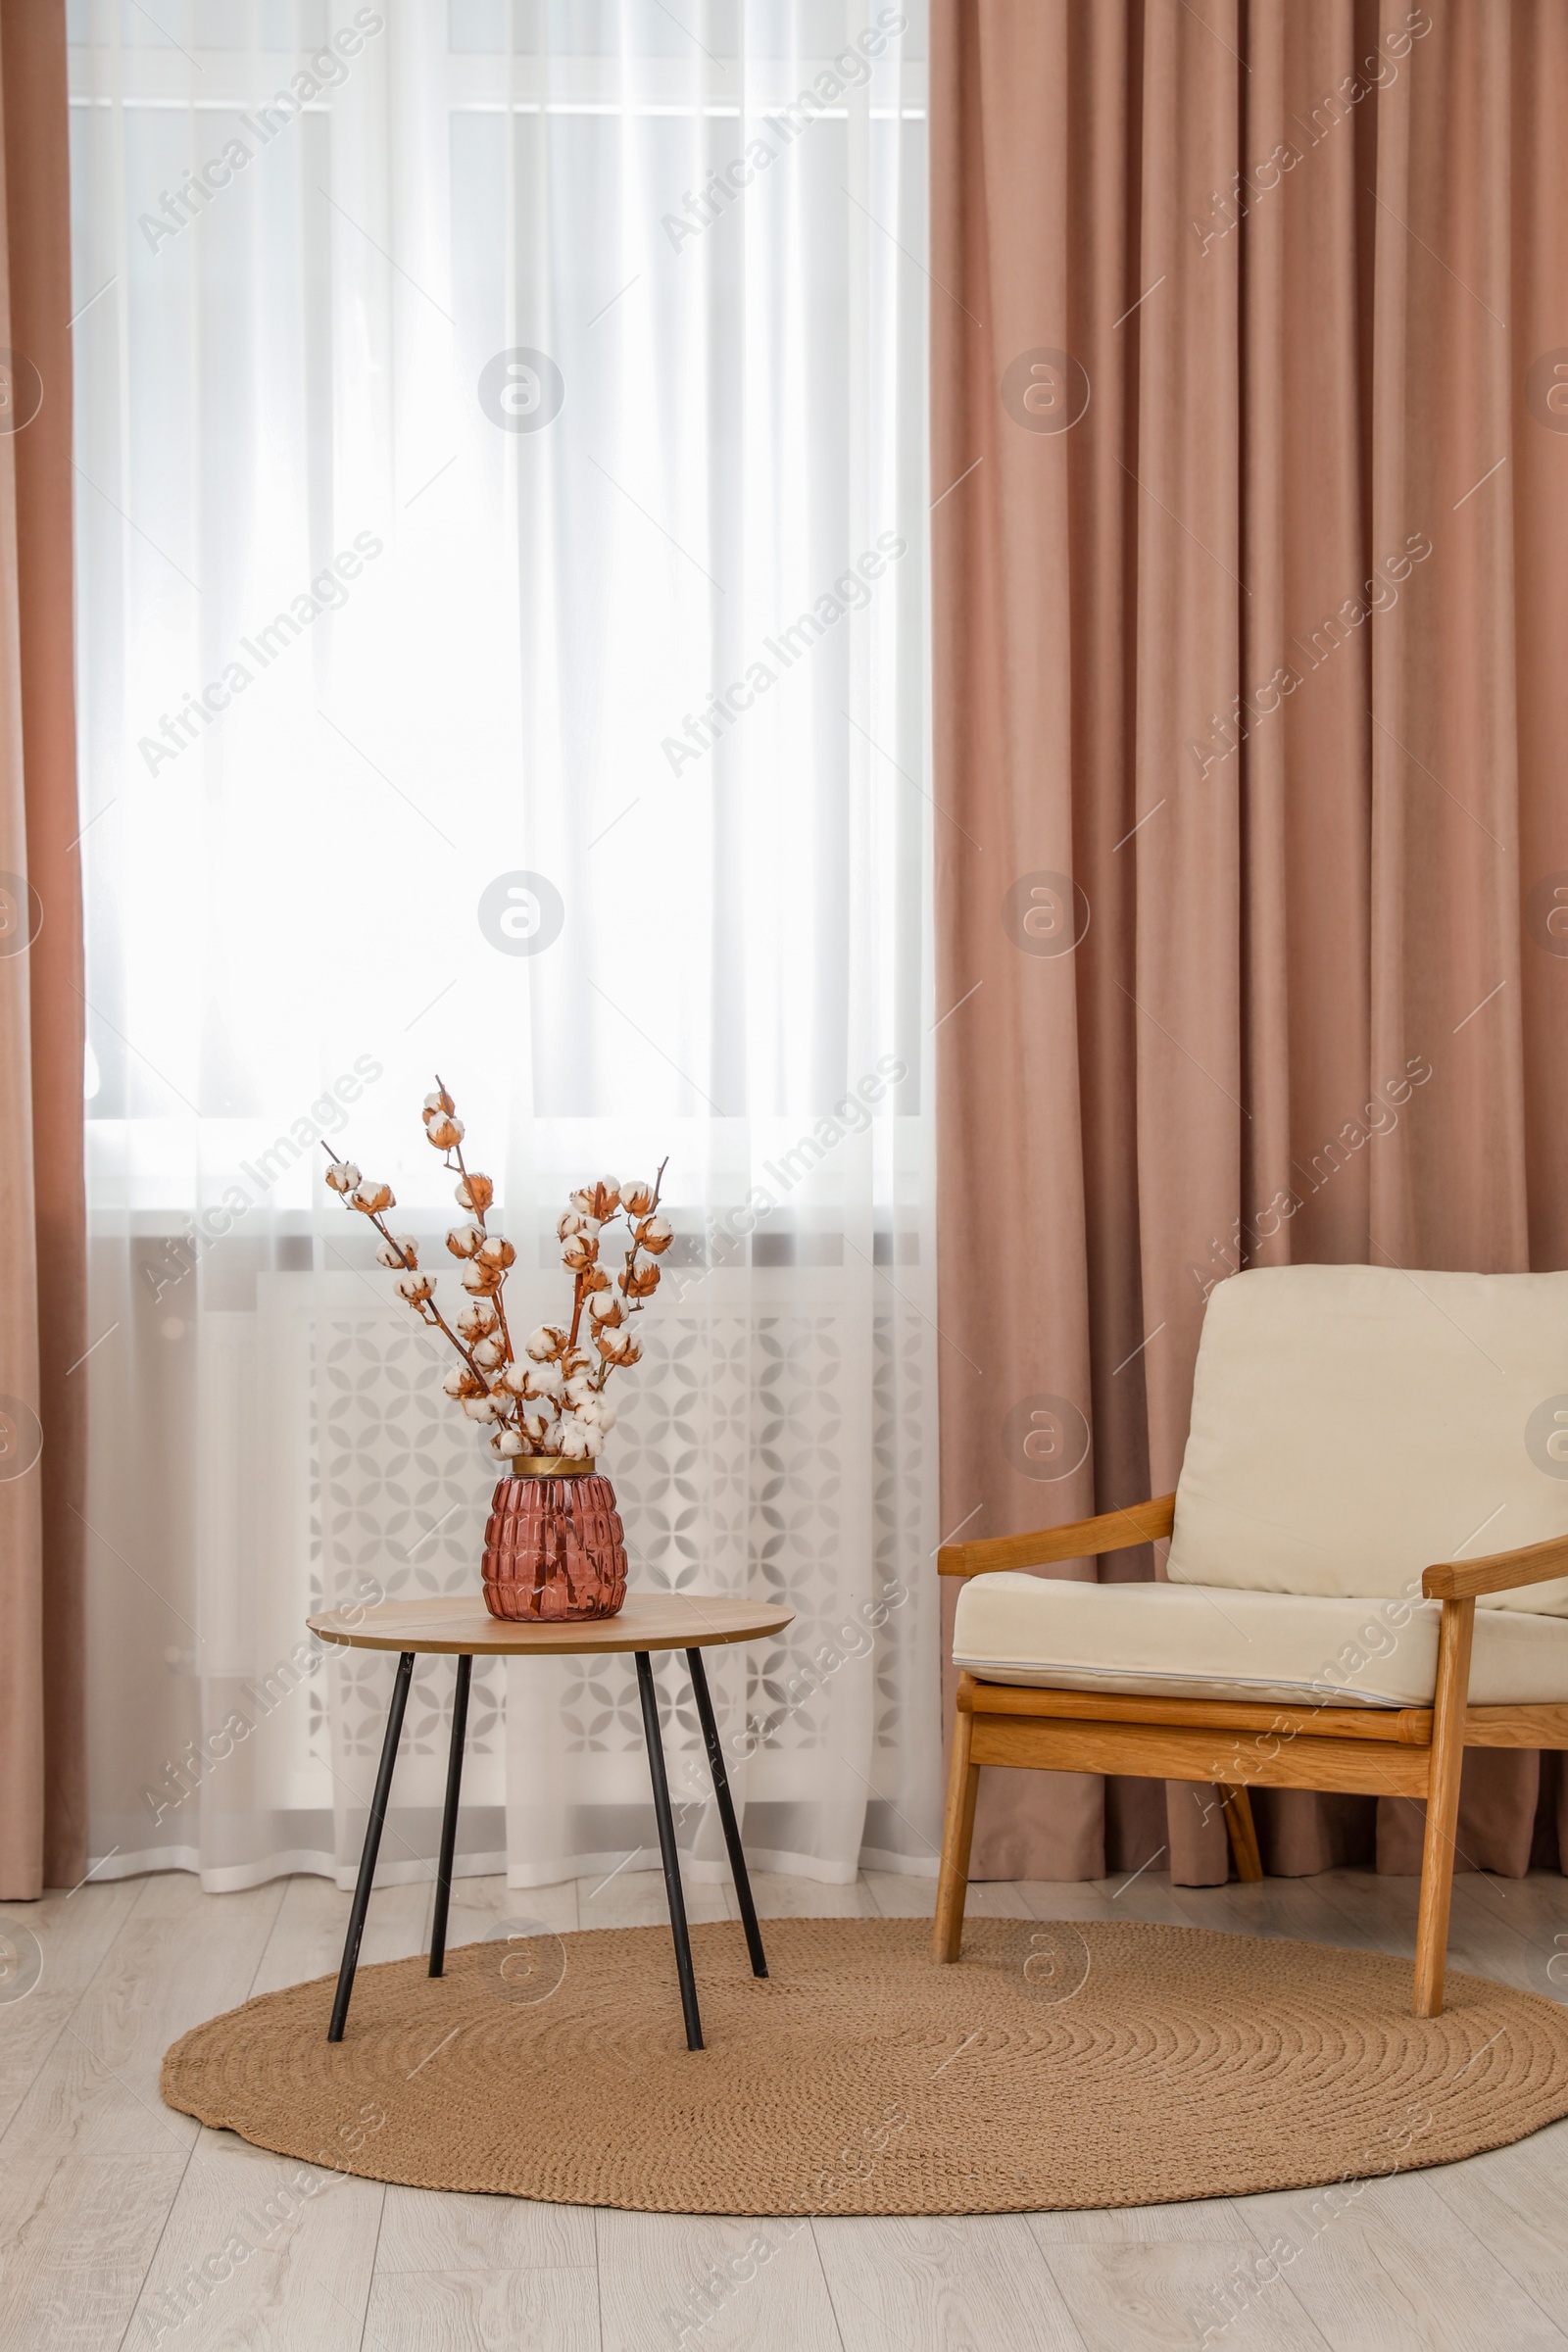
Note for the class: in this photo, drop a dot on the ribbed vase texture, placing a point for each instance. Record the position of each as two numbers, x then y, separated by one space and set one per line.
554 1549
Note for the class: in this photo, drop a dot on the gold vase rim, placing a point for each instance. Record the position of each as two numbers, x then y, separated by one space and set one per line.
550 1465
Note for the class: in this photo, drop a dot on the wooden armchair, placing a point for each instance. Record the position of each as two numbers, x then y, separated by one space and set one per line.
1028 1710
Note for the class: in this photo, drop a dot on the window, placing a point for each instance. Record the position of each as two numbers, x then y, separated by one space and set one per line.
501 515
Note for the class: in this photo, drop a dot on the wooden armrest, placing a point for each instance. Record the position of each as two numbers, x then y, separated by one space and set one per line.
1081 1539
1497 1571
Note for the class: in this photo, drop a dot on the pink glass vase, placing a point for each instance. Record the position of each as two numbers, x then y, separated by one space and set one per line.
553 1545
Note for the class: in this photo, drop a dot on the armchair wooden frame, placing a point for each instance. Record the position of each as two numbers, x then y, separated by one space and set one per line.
1235 1745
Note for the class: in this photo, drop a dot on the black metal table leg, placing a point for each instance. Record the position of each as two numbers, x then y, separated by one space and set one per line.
727 1811
373 1844
449 1817
667 1852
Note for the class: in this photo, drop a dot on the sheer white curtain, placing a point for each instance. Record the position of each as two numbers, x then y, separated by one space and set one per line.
501 528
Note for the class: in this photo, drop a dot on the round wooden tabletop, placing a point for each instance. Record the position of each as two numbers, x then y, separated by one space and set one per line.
463 1623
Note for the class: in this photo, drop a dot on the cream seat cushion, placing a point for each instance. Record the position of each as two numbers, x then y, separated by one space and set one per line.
1192 1642
1352 1425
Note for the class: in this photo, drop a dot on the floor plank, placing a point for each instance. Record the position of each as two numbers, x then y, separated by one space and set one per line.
422 2229
264 2250
634 1897
306 1934
480 1905
77 2231
897 1895
1537 1906
484 2311
999 1899
950 2285
1494 1935
1147 1893
1388 2265
73 1933
1173 2299
178 1958
1378 1913
1290 1908
780 1897
1515 2201
1069 1898
1213 2220
723 2285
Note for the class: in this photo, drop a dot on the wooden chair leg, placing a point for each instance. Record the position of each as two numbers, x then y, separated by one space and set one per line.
1243 1834
1448 1706
957 1832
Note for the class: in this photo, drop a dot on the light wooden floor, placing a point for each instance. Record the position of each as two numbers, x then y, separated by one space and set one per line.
108 2200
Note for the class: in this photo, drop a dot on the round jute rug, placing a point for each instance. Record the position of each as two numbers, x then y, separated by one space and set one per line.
1054 2066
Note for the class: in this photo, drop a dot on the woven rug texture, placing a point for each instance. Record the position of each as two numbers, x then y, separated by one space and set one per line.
1053 2067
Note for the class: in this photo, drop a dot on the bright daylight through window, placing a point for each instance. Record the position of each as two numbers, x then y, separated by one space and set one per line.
501 528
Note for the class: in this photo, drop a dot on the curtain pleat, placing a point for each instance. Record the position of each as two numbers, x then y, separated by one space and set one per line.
42 1217
1247 680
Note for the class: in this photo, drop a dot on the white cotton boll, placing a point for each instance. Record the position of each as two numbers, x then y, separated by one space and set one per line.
463 1240
546 1344
480 1408
400 1252
600 1412
455 1380
414 1287
573 1438
342 1175
546 1380
506 1442
477 1320
489 1353
577 1387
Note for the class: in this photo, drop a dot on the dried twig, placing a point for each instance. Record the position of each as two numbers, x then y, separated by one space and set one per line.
578 1420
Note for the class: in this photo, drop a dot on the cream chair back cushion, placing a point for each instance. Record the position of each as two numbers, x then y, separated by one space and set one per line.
1352 1425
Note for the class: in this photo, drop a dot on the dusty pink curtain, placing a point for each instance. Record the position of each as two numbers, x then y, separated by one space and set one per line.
1250 460
42 1216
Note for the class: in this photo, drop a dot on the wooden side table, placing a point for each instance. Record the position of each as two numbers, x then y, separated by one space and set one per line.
465 1628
